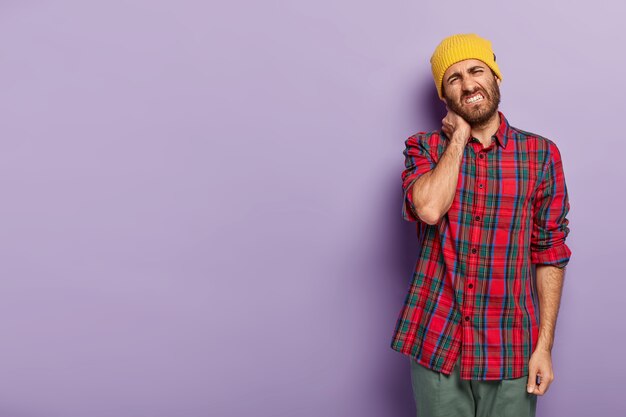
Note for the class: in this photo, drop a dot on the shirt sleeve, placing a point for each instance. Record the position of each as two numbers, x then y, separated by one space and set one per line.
550 207
417 161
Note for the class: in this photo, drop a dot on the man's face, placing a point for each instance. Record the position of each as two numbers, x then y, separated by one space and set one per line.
471 90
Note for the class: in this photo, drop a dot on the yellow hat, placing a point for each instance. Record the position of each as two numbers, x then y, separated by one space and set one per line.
456 48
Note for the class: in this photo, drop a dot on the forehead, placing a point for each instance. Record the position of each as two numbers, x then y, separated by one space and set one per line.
463 66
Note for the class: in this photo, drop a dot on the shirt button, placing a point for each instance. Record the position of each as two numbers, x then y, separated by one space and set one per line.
471 286
477 217
474 250
480 186
466 318
481 156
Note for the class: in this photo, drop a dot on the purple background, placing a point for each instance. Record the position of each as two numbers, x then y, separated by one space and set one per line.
200 210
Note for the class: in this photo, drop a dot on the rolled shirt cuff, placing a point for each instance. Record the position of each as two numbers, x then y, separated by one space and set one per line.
557 256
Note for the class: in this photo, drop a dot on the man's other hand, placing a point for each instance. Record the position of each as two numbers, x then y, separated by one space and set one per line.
540 364
455 127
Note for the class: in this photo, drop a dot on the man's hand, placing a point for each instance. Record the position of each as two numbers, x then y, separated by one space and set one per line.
455 127
540 364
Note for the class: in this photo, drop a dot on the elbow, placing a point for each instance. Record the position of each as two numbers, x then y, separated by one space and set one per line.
429 216
427 210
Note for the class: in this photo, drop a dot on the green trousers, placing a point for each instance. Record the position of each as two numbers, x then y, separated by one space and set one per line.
440 395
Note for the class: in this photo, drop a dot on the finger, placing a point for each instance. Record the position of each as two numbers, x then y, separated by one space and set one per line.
541 389
544 385
539 386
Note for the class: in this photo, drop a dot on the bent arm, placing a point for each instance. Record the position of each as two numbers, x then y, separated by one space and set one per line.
433 192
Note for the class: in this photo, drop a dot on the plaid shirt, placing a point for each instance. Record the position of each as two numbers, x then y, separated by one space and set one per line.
472 292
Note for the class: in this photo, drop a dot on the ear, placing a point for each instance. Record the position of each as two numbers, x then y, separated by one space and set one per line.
498 81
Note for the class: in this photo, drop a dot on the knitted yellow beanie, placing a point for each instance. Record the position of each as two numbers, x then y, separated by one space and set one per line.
456 48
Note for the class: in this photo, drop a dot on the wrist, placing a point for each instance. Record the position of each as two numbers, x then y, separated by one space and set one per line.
543 348
459 139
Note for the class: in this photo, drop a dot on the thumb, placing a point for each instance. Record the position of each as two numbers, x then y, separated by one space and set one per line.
532 379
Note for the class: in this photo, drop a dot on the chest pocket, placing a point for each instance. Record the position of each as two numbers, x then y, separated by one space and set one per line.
511 187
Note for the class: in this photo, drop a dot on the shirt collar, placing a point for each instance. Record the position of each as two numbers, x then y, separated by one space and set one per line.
504 131
503 134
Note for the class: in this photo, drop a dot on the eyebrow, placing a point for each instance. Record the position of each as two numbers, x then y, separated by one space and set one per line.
469 70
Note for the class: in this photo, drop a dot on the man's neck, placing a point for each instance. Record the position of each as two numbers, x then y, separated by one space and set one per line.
485 131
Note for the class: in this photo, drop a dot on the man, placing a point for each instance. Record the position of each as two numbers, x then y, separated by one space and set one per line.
489 201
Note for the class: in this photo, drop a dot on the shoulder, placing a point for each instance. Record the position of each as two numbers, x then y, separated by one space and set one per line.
425 139
534 138
545 149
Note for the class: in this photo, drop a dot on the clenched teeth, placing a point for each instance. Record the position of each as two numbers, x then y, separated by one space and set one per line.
474 99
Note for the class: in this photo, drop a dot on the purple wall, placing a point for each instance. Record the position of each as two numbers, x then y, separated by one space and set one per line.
200 210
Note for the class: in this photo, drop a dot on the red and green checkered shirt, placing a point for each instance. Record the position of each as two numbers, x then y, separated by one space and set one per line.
472 292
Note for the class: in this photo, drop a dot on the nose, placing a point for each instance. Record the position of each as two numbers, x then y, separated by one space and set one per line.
468 85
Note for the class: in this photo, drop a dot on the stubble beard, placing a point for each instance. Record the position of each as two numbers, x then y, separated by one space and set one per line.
476 116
